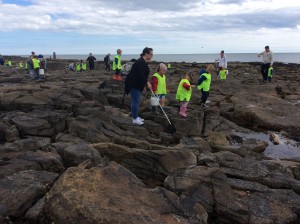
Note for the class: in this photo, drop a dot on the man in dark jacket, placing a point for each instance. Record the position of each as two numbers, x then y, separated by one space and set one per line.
1 60
106 62
136 81
91 59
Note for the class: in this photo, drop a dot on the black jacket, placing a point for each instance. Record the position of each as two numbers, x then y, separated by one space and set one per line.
91 60
138 76
106 59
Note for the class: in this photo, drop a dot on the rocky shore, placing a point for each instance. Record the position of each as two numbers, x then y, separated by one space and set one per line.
70 154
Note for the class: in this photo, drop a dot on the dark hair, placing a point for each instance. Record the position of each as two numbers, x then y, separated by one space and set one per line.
222 51
267 47
147 50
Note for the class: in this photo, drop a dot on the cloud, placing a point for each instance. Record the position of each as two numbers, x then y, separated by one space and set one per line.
154 20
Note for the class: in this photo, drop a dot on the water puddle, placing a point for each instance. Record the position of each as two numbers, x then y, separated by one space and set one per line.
286 149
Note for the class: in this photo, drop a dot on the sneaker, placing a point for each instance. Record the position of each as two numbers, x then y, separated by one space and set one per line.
141 119
137 121
203 105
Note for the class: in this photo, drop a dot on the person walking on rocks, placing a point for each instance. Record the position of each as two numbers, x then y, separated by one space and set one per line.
222 61
136 81
29 65
159 85
204 82
106 62
36 67
268 59
184 92
91 59
117 65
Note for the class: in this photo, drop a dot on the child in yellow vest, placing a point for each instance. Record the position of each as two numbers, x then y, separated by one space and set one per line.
184 92
222 73
117 65
83 66
204 82
36 67
21 64
9 63
270 74
159 85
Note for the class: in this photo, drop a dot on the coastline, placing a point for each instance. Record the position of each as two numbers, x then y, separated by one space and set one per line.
286 58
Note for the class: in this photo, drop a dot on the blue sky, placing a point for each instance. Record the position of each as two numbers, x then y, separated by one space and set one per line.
168 26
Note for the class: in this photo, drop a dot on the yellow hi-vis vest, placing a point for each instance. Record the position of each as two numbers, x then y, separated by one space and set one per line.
36 63
183 94
117 66
84 66
78 67
161 86
205 85
21 65
9 63
26 66
270 72
222 74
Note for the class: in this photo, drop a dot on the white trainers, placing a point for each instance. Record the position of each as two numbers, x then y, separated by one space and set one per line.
137 121
141 119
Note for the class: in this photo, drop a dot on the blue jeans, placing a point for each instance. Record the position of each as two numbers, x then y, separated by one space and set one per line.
135 102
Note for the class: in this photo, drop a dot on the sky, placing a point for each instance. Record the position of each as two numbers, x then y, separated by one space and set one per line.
167 26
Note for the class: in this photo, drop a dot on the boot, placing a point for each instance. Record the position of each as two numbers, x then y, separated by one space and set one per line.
182 111
154 111
119 78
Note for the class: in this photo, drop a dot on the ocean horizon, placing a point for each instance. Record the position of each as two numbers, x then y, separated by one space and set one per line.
190 58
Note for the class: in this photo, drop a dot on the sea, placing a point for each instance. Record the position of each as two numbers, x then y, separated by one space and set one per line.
197 58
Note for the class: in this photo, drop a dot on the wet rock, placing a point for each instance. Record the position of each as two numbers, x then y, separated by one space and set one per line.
150 166
33 126
34 213
75 154
27 186
128 202
275 139
211 172
254 145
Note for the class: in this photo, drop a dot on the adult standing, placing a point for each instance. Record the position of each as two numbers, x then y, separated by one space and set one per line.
222 61
268 59
54 56
1 60
136 81
91 59
29 64
106 62
117 65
